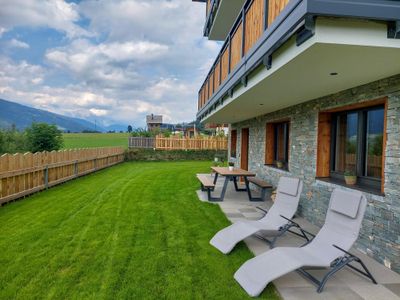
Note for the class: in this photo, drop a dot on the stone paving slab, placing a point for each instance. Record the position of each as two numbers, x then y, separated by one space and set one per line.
248 210
394 287
374 292
309 293
346 284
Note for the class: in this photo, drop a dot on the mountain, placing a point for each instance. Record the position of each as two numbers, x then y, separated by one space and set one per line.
116 127
23 116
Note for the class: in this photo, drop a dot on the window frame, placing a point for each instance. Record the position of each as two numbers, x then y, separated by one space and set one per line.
361 154
271 144
233 146
323 162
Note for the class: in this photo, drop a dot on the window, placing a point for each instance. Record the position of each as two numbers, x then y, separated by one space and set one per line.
357 145
233 143
353 138
277 144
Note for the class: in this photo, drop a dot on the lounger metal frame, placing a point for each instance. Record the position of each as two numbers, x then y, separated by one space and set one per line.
337 265
282 230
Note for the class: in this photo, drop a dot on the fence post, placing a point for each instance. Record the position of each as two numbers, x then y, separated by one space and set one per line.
46 177
76 168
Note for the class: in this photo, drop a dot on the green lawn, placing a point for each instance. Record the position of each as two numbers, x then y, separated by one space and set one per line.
91 140
136 230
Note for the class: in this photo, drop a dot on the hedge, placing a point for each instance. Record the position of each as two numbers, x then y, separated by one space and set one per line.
172 155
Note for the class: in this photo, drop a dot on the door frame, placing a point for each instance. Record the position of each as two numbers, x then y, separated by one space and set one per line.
244 149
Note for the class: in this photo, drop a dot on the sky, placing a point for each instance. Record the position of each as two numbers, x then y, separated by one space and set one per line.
109 61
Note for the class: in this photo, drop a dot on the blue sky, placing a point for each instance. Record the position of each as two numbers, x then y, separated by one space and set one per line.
113 61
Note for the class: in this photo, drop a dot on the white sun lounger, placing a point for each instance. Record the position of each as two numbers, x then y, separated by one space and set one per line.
329 248
274 223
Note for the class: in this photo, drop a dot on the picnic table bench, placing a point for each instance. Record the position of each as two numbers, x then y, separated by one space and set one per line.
263 185
207 184
230 175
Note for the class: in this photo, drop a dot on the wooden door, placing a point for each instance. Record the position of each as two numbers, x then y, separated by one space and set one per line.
244 153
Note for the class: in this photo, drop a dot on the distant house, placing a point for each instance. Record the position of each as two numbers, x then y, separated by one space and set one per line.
154 122
166 126
217 128
188 130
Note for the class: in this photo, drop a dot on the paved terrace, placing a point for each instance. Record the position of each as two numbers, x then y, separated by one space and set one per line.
346 284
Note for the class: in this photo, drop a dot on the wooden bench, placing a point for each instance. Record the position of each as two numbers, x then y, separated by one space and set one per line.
263 185
207 185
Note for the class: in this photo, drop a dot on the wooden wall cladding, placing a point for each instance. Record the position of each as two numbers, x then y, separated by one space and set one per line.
324 144
254 24
225 64
217 73
274 9
236 46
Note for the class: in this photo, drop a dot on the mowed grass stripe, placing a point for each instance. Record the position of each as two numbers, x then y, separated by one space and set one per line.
136 230
50 246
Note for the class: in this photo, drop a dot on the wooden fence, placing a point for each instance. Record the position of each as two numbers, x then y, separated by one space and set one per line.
142 142
176 143
24 174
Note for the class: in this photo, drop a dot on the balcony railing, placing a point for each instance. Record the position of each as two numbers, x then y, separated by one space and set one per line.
255 17
211 10
264 25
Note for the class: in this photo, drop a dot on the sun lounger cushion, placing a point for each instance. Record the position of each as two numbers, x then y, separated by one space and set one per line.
289 186
346 203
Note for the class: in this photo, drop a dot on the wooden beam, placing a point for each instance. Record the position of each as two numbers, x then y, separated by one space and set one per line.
364 104
324 144
269 144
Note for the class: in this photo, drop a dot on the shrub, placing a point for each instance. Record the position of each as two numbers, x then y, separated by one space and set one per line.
142 132
43 137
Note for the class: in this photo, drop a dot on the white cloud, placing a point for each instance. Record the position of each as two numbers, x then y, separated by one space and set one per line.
98 112
14 43
81 53
21 74
106 65
149 57
177 23
168 88
56 14
141 50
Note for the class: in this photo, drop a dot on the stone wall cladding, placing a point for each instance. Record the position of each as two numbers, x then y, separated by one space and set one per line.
380 234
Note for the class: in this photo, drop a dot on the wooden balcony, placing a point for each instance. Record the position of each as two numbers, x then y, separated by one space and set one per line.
256 16
220 15
264 26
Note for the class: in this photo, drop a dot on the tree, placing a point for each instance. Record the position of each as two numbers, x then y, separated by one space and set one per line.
12 141
43 137
3 148
130 128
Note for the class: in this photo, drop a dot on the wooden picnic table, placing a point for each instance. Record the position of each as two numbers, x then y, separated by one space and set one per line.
231 176
224 171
